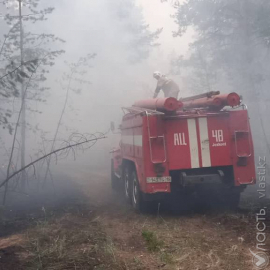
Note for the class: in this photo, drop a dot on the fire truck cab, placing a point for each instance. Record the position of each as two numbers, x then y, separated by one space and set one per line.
183 146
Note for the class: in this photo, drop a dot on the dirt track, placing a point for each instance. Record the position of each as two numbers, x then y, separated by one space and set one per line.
96 229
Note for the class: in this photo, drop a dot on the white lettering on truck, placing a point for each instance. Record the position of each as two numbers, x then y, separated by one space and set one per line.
179 139
218 135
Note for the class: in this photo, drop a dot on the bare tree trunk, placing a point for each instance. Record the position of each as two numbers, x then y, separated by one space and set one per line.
82 61
14 137
57 129
23 122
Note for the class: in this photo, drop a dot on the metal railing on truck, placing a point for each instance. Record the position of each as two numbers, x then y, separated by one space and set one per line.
148 112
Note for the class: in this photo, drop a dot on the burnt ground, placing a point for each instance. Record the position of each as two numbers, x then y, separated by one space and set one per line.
83 224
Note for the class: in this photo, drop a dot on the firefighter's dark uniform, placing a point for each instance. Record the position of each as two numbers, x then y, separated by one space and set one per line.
168 86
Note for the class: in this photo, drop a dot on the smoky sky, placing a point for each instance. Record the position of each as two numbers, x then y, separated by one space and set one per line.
120 74
102 27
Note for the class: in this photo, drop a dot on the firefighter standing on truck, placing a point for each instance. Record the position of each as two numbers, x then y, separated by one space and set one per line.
168 86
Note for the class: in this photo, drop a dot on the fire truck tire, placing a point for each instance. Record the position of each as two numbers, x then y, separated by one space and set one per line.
137 199
127 182
113 177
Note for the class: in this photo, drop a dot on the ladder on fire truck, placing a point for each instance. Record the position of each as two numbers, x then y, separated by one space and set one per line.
151 137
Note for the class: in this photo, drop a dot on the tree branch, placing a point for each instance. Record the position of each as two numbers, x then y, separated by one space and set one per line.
45 156
12 71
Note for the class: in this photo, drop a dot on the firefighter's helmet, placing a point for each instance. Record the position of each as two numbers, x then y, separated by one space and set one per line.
157 74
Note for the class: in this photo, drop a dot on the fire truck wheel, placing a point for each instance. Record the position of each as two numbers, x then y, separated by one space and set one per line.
127 183
113 177
137 200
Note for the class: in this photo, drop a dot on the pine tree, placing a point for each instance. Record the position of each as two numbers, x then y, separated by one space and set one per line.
23 44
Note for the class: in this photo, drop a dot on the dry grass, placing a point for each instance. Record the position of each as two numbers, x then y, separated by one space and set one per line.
109 235
152 242
74 240
202 243
70 242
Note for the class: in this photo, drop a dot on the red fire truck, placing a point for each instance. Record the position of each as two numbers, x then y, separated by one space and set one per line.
184 146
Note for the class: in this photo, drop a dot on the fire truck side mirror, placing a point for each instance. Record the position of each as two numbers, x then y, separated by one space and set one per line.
112 127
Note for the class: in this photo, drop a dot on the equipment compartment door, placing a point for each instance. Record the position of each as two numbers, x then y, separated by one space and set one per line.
182 144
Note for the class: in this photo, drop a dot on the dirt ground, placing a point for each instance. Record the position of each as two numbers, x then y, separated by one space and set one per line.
86 225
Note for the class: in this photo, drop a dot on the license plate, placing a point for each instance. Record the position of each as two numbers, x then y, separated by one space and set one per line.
166 179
